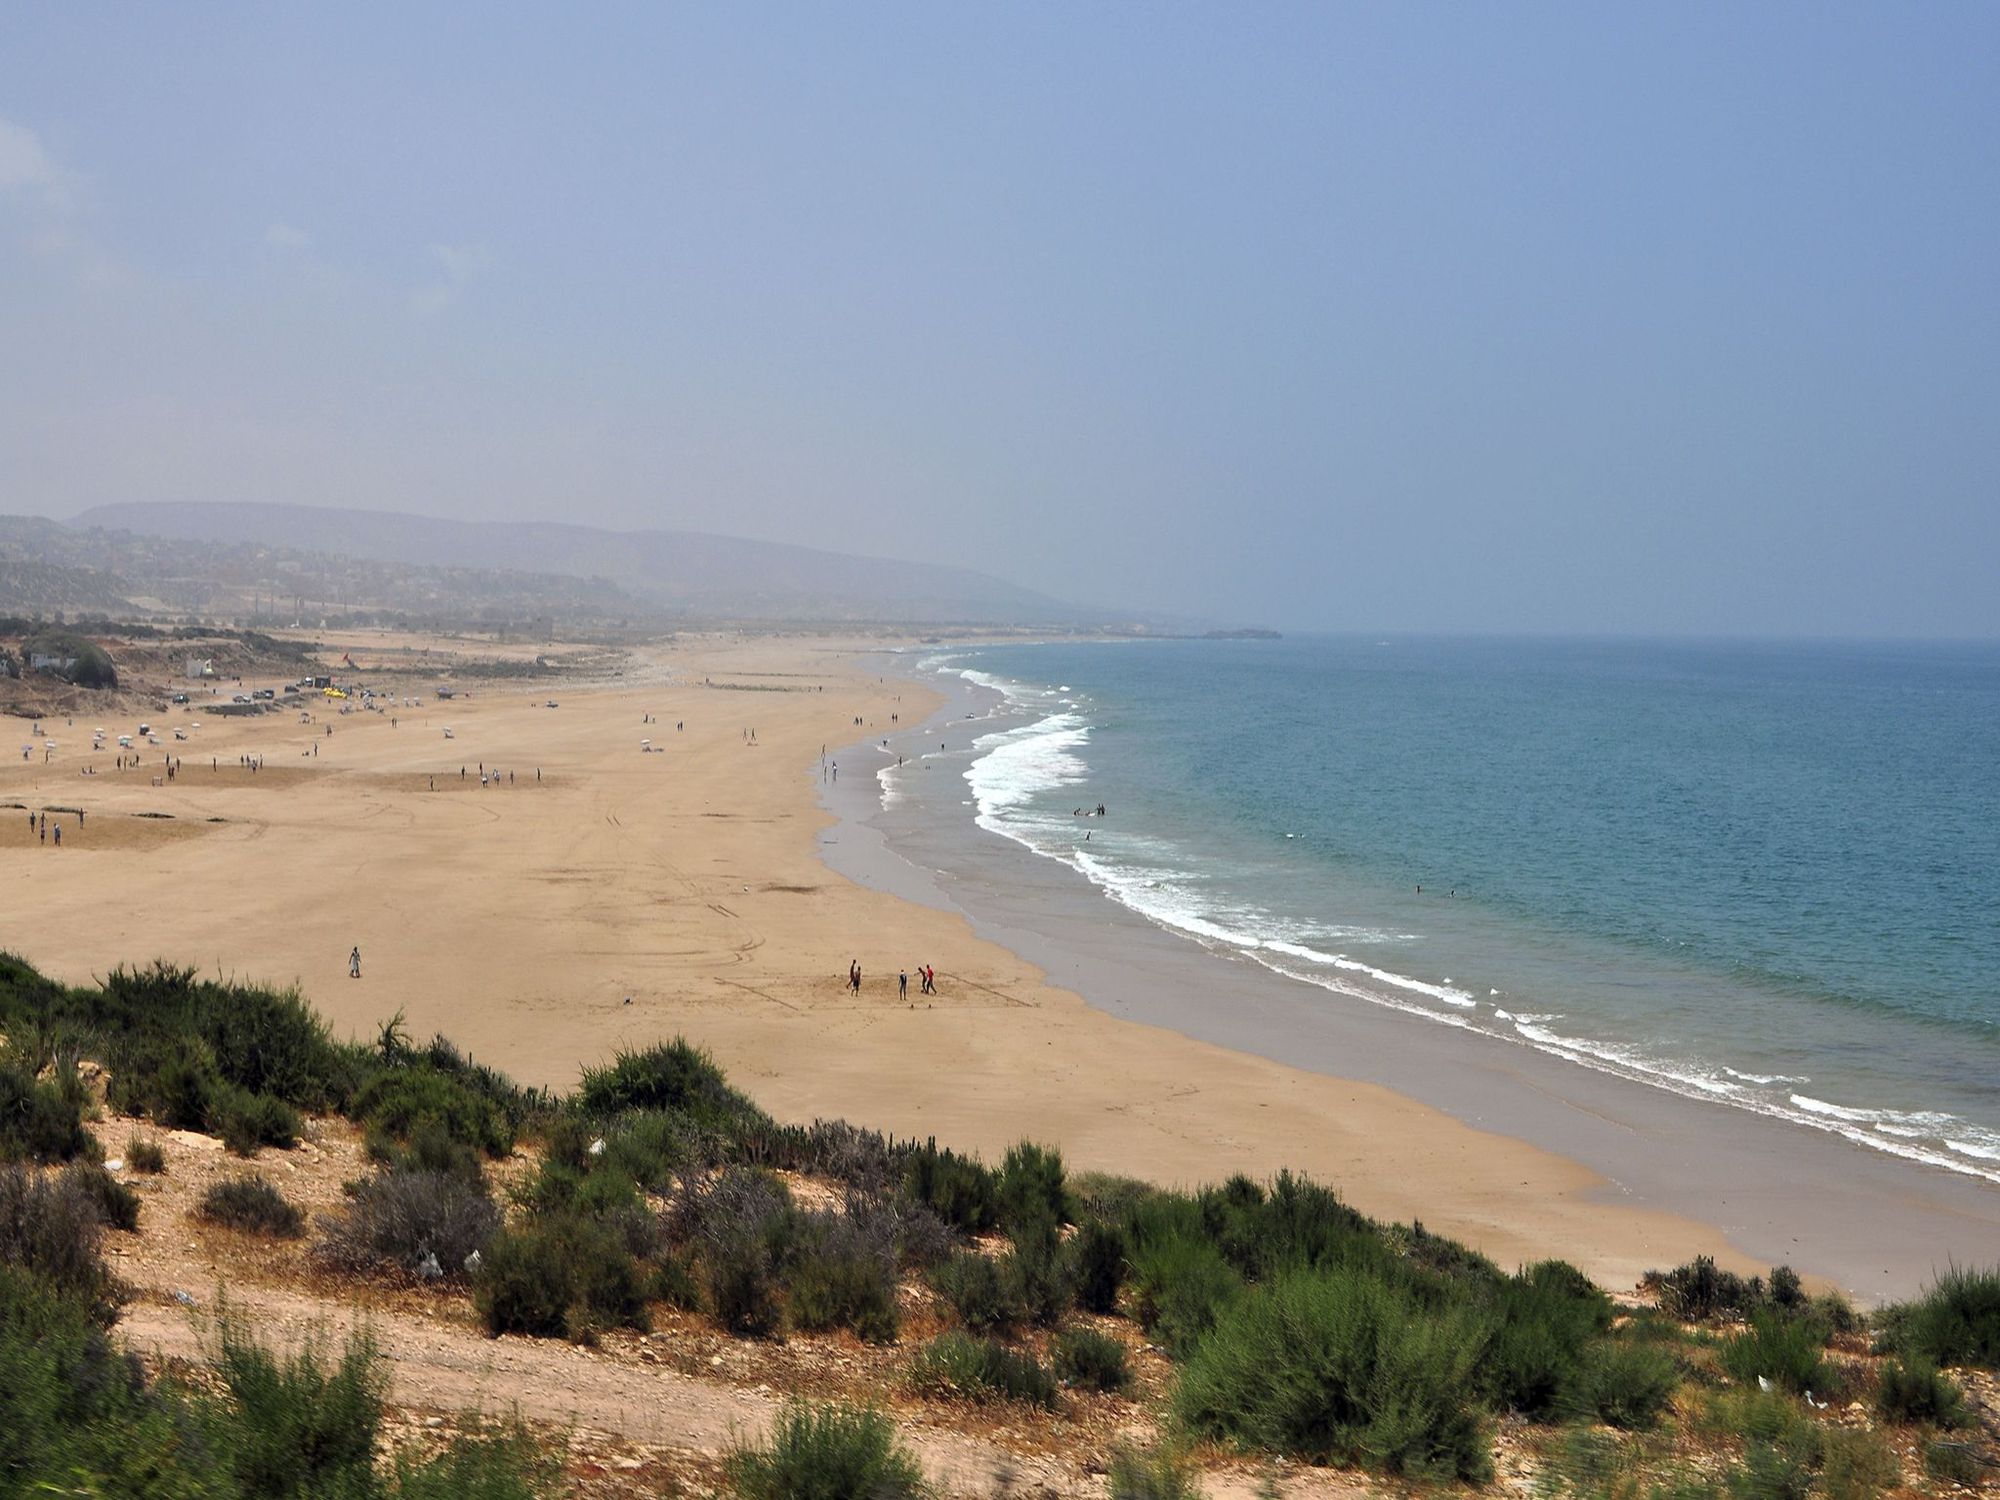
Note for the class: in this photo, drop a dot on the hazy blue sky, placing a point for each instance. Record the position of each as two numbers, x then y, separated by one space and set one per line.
1451 317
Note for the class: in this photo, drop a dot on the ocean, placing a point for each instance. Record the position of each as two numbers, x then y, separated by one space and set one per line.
1764 876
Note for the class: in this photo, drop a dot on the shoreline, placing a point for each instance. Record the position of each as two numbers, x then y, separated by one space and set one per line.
1780 1192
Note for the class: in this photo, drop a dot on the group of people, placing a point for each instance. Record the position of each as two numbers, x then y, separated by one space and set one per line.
40 822
488 777
926 980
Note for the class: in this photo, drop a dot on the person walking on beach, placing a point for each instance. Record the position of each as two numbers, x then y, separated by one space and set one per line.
854 976
354 963
902 984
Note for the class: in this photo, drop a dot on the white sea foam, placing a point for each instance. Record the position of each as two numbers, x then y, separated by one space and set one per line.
1764 1078
1019 763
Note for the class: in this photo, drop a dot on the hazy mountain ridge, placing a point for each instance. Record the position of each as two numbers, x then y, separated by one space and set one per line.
46 567
677 572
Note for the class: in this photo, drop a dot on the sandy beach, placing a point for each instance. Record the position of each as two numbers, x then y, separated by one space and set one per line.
596 896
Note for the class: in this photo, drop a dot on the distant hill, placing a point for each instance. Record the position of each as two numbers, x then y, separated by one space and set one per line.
41 574
679 572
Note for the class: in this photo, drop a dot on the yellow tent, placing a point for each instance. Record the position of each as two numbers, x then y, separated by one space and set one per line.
333 692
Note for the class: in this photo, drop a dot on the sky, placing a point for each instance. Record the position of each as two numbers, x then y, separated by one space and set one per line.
1670 319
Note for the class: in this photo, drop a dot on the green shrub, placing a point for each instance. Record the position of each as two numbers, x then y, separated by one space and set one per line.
1622 1384
558 1278
426 1224
673 1078
1337 1366
675 1284
1031 1186
1855 1464
1782 1446
117 1205
143 1154
252 1205
981 1370
502 1464
1772 1471
262 1041
524 1284
957 1189
1915 1391
1548 1315
301 1428
1956 1322
650 1147
1763 1416
73 1410
40 1120
1083 1357
1836 1314
246 1121
1098 1253
1038 1274
1954 1463
520 1107
978 1291
1108 1196
830 1452
174 1081
742 1228
1180 1287
399 1100
49 1229
607 1195
844 1276
431 1147
1299 1222
742 1285
1786 1350
1158 1474
1701 1291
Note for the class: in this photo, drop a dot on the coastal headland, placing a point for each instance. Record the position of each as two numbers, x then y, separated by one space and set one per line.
642 859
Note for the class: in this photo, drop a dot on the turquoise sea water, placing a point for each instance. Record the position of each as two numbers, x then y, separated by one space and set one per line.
1762 875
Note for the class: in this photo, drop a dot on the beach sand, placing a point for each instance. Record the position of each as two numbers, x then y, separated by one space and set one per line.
626 896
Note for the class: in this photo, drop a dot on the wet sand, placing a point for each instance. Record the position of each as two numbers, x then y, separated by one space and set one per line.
628 896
